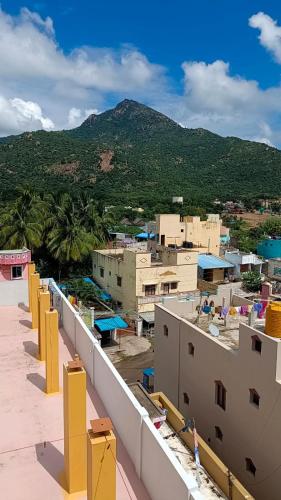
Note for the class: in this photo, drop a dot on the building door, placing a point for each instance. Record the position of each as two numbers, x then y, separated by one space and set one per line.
166 287
163 240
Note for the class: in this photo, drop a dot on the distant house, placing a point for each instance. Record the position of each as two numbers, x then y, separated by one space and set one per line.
14 275
212 268
243 262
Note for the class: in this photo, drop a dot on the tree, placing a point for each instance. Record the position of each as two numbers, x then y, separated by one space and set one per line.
21 223
252 281
68 239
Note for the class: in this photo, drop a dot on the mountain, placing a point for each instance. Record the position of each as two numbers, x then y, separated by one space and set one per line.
135 154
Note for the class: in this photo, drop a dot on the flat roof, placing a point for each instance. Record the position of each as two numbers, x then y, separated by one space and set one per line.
31 422
209 261
208 488
144 399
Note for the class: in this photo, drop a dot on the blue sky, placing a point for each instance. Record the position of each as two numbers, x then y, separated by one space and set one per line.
206 63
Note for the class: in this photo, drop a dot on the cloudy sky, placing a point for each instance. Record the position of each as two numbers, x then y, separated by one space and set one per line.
206 63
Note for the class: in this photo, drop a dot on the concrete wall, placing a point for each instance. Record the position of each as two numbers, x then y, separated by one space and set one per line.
208 459
156 465
204 234
13 292
248 431
136 270
274 269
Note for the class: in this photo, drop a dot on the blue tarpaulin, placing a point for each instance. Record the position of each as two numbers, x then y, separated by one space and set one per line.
206 261
107 324
103 295
145 236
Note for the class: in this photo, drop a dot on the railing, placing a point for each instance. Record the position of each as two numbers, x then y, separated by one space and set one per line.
156 465
155 299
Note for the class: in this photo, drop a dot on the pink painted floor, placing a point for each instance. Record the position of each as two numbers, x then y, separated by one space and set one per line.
30 469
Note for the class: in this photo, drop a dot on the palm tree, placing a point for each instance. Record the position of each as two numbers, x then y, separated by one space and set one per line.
21 223
94 218
68 240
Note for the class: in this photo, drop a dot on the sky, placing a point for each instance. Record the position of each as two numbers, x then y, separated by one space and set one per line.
214 64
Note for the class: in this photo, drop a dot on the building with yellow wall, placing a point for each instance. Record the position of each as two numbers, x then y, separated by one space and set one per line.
138 279
172 229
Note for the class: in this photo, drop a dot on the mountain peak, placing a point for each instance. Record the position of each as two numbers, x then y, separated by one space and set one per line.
128 117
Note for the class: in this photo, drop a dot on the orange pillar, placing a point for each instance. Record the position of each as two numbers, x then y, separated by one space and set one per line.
52 351
101 461
75 432
35 285
31 270
44 303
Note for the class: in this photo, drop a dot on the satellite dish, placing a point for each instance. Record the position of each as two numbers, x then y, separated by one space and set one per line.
213 329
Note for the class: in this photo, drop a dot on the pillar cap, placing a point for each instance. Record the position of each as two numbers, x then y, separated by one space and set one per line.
101 425
75 365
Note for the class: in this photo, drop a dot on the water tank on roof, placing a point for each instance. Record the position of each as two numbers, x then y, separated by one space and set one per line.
273 320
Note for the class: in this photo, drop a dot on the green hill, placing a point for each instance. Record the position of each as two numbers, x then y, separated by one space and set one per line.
134 154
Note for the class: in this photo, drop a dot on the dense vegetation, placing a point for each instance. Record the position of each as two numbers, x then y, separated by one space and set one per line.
135 155
61 231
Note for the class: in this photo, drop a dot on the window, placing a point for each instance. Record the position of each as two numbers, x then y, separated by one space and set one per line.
166 330
166 288
174 285
95 265
109 273
219 434
220 394
256 344
102 272
250 466
190 348
119 281
254 397
186 398
16 272
182 230
150 289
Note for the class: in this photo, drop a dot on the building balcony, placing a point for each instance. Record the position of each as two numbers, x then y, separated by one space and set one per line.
156 299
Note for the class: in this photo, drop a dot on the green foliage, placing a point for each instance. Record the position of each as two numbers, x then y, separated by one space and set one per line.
84 291
252 281
152 159
60 230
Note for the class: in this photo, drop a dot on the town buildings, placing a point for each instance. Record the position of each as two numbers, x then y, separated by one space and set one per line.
230 385
138 279
33 424
189 232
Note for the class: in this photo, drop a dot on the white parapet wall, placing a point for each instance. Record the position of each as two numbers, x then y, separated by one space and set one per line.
13 292
156 465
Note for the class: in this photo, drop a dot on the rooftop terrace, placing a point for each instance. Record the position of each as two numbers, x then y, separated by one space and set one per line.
31 445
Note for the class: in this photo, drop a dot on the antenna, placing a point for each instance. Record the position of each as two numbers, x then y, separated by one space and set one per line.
213 329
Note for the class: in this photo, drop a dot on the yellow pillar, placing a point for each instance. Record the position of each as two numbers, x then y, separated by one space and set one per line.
44 302
74 410
31 270
52 351
35 285
101 461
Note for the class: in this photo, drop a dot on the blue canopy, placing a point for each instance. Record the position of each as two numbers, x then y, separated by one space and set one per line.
107 324
103 295
206 261
145 236
149 372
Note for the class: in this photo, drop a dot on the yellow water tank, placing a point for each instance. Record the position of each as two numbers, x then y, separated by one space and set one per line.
273 319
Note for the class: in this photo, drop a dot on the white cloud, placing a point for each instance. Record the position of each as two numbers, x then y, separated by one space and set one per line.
77 116
43 87
270 33
36 19
17 115
225 104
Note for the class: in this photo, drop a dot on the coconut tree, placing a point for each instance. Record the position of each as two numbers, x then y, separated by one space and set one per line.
21 222
68 239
